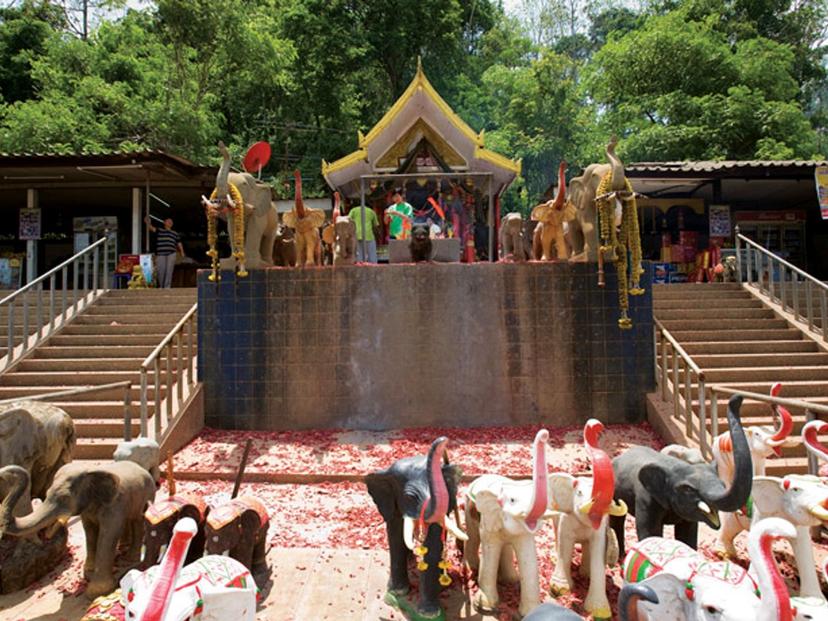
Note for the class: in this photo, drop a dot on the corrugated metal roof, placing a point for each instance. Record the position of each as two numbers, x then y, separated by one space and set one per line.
144 154
713 166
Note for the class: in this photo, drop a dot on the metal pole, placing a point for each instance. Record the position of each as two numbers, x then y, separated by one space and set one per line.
146 212
10 336
144 402
813 466
362 216
492 257
824 315
809 304
703 419
738 256
127 415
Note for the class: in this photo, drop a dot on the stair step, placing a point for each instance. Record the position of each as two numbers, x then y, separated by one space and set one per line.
114 350
67 365
90 340
147 317
730 302
748 347
795 389
770 373
789 465
747 315
156 330
795 359
759 412
95 448
47 379
104 428
109 394
714 323
139 307
687 334
81 410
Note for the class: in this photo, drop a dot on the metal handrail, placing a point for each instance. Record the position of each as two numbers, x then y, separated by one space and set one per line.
762 256
177 388
60 311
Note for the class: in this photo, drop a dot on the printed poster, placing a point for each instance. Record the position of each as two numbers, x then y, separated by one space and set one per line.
822 190
146 265
29 224
719 216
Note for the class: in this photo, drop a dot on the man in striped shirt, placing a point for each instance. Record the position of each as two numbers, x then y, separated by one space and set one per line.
167 243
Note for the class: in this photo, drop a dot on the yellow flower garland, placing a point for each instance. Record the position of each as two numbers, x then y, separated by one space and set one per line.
626 247
238 233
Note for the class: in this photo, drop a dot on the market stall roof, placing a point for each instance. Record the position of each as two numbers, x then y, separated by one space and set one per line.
419 115
132 168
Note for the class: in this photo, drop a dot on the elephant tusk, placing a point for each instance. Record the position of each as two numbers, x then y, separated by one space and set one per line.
408 532
703 507
454 529
819 512
618 508
586 507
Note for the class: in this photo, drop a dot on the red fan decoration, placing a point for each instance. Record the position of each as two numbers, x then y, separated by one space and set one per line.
257 157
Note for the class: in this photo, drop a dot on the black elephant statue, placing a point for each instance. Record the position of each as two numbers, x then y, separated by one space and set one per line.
239 527
161 517
661 489
417 494
110 499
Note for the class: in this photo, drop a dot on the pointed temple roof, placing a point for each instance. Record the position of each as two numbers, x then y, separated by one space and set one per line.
419 119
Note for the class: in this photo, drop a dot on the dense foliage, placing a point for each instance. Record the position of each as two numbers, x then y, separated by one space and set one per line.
549 79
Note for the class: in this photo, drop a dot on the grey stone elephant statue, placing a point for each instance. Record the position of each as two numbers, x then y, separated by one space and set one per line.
39 437
512 241
110 499
344 242
260 216
583 228
144 452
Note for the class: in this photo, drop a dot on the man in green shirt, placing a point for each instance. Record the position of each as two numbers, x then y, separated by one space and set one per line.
399 225
370 242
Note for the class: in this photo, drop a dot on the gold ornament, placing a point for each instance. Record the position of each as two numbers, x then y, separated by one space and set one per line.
237 233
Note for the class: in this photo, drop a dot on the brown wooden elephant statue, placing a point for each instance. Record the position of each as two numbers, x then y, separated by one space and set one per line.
239 527
305 222
110 498
161 517
552 217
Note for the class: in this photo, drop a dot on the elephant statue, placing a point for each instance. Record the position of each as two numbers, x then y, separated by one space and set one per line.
213 587
284 248
552 218
305 222
552 612
584 505
629 599
415 496
512 244
691 588
812 608
144 452
505 515
764 442
39 437
810 438
345 244
260 216
582 192
239 527
110 499
659 489
160 519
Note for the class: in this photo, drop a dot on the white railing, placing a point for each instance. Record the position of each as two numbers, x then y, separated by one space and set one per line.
783 283
179 347
89 270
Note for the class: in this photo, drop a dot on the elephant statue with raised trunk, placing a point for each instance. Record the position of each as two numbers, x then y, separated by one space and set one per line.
239 528
512 244
305 222
260 216
160 519
691 588
213 587
584 505
415 497
552 218
504 516
110 498
345 241
660 489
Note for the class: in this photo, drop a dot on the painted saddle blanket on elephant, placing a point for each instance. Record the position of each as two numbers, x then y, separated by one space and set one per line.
229 511
106 608
655 554
167 507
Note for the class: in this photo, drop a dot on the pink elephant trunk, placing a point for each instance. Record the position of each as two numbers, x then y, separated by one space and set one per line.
809 435
786 420
437 508
603 478
560 198
297 201
540 489
164 584
336 212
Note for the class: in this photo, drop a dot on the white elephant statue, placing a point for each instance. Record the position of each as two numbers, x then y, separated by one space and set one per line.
812 608
584 505
261 219
143 451
691 588
213 588
810 433
505 515
764 442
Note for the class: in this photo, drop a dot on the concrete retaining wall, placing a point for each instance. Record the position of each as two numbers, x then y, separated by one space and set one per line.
382 347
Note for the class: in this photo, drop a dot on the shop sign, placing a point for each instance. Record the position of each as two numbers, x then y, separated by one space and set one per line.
29 224
719 216
87 224
822 190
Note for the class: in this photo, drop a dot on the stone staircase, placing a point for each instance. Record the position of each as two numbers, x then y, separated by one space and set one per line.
740 343
106 343
17 319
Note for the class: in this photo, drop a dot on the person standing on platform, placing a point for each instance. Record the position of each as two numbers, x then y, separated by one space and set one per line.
167 245
368 239
398 225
